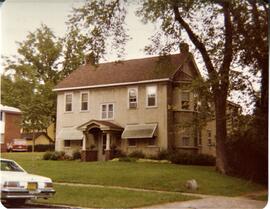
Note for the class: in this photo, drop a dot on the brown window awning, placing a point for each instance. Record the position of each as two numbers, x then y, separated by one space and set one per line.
139 131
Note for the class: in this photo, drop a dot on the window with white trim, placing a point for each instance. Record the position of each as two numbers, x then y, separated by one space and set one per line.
84 101
151 96
133 98
185 100
132 142
68 102
107 111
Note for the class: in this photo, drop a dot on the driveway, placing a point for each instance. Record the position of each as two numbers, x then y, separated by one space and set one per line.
215 202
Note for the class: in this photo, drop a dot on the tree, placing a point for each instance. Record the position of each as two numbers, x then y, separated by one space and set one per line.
214 39
98 27
30 77
214 44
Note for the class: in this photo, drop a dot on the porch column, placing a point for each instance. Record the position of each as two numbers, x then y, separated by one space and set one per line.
107 150
84 142
108 141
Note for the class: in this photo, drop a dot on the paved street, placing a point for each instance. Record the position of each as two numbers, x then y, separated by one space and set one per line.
34 205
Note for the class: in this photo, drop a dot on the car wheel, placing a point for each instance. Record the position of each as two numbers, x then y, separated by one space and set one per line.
16 202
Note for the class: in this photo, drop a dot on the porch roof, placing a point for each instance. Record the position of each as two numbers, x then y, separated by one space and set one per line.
70 133
101 124
139 131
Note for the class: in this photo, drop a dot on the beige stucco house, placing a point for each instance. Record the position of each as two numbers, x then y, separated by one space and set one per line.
141 104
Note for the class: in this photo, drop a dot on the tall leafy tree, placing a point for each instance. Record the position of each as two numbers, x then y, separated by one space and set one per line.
213 40
30 76
208 25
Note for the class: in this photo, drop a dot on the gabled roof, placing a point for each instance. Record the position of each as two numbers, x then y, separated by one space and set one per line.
102 124
130 71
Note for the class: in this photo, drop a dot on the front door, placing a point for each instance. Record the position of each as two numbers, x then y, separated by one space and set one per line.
102 147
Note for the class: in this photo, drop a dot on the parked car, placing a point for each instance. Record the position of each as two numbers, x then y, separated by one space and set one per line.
18 145
17 185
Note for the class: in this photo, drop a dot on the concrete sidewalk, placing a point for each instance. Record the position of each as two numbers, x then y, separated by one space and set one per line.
218 202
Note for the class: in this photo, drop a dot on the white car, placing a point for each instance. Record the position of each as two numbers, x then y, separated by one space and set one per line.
17 185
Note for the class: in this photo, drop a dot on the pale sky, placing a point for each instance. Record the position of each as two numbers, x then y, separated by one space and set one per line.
21 16
18 17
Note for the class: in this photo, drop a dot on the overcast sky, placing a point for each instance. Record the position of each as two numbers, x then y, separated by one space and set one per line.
21 16
18 17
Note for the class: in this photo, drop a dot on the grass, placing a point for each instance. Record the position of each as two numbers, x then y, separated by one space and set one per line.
109 198
156 176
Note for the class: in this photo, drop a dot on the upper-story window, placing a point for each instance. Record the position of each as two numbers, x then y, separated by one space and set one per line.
185 100
151 96
84 101
133 97
68 102
107 111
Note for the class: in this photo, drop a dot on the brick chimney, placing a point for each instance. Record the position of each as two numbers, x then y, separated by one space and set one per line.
184 47
90 59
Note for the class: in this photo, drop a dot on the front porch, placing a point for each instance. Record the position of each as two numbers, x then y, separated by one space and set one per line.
100 140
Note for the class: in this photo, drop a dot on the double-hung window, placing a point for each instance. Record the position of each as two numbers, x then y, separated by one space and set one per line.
68 102
84 101
185 100
107 111
151 96
133 98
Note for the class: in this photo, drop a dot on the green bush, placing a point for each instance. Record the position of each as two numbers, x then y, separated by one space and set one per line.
41 147
192 159
163 155
58 155
136 154
47 155
76 155
127 159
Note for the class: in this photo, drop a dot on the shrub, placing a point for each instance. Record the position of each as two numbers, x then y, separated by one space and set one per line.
58 155
41 147
192 159
76 155
163 155
47 155
127 159
136 154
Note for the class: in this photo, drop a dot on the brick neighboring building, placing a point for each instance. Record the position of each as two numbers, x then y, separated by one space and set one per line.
10 121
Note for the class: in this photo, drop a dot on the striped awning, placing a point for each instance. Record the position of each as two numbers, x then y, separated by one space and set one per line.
70 133
139 131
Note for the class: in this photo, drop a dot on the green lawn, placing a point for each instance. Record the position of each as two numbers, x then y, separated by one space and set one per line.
167 177
109 198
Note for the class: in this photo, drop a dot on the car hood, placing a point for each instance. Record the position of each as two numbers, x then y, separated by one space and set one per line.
22 176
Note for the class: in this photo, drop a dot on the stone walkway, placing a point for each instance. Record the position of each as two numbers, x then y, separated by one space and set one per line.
206 201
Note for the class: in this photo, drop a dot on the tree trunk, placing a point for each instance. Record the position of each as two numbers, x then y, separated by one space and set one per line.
221 134
33 142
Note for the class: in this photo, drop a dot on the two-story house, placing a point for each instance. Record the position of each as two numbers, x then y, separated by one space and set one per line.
141 104
10 125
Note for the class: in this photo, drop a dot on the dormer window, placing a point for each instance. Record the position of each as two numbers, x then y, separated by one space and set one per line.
151 96
133 98
68 102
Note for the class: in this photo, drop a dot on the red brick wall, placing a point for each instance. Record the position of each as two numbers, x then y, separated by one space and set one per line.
12 128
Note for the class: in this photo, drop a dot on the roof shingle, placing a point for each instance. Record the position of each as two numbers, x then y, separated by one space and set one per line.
124 71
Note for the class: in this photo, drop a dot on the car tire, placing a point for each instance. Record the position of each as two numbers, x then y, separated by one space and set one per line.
16 202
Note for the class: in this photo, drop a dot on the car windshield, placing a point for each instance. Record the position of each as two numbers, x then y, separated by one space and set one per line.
10 166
